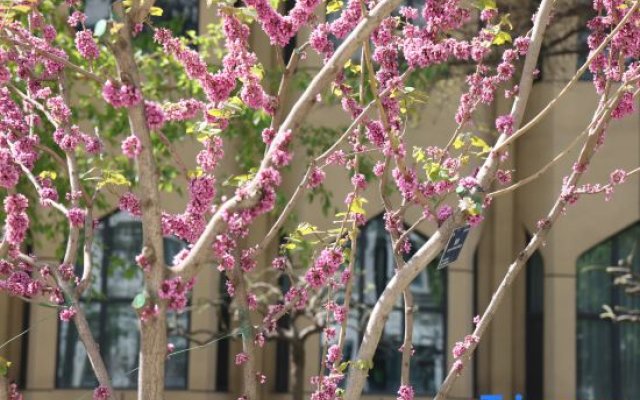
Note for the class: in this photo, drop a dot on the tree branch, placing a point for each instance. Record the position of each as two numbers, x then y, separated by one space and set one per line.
434 245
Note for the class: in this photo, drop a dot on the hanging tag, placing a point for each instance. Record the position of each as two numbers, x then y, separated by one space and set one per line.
454 246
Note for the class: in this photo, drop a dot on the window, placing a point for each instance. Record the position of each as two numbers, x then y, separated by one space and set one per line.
224 345
374 267
182 12
117 279
534 327
608 354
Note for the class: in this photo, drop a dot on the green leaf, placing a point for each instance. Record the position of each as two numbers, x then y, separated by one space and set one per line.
459 142
343 366
112 177
486 4
21 8
4 366
501 38
357 204
418 154
100 28
476 141
139 301
48 174
305 229
156 11
334 6
505 21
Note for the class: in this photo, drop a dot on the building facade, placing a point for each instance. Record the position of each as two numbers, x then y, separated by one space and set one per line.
546 342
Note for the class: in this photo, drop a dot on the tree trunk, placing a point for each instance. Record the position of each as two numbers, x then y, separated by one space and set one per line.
297 372
153 335
4 388
153 353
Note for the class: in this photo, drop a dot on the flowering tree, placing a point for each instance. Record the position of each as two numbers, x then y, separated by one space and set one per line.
41 68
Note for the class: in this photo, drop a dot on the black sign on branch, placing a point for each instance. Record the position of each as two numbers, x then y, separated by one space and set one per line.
454 246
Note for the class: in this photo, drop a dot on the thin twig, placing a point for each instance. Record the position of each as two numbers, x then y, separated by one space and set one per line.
573 80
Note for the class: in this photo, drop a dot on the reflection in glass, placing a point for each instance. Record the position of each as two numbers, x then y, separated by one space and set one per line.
116 280
374 267
608 353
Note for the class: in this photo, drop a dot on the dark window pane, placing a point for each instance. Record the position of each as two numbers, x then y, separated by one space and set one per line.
74 369
594 284
177 364
535 328
608 353
117 279
594 360
121 344
375 265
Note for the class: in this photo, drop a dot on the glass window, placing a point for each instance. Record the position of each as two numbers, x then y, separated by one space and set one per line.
107 304
374 267
535 327
181 15
223 359
608 354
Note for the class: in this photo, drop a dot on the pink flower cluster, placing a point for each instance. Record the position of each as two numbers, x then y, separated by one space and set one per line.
18 280
101 393
281 29
87 47
131 146
121 95
155 115
324 267
327 386
182 110
334 354
241 358
129 202
17 222
175 291
67 314
405 393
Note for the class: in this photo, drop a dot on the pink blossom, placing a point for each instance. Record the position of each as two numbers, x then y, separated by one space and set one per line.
316 178
405 393
241 358
252 301
444 212
334 354
76 18
17 221
76 216
101 393
130 203
154 114
378 169
131 146
67 314
458 366
504 124
122 95
617 177
87 47
175 292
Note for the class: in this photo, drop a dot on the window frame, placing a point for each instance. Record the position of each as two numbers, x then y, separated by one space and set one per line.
613 297
441 310
104 302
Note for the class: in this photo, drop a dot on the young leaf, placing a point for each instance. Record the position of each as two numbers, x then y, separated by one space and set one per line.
156 11
100 28
334 6
139 301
